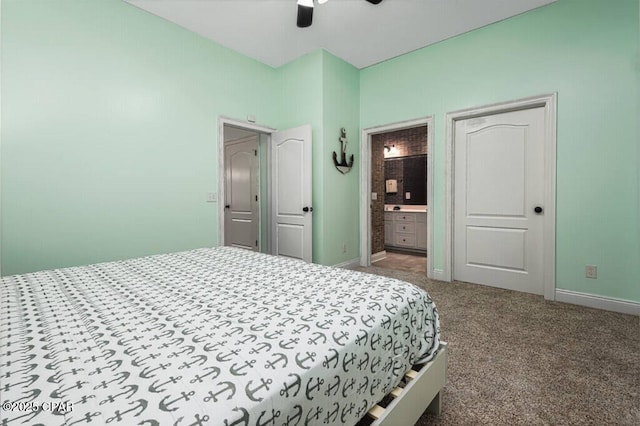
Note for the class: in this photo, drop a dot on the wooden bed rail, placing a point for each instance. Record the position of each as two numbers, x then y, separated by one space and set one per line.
422 391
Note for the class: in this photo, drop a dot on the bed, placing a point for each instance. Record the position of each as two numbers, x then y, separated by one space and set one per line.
215 336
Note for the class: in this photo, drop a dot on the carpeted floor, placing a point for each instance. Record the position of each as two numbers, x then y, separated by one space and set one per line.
516 359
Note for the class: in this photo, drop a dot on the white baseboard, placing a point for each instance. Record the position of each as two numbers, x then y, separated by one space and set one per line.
348 263
438 274
378 256
598 302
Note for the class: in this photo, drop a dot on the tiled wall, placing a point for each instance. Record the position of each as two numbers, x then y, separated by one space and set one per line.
407 142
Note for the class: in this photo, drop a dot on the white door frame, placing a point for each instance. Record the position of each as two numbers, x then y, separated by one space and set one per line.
365 185
222 121
548 102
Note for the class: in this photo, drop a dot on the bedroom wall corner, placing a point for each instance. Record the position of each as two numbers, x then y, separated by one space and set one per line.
341 108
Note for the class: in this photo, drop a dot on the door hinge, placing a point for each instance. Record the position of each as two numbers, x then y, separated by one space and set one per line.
256 243
256 198
255 152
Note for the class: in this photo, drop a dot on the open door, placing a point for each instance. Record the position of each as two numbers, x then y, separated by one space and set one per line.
292 211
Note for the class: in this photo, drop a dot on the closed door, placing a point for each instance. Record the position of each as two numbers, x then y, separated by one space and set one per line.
241 170
291 201
498 194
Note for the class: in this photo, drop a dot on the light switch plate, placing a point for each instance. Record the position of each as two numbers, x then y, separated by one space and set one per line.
212 197
374 195
407 195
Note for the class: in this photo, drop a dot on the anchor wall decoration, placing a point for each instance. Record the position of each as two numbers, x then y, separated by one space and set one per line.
343 166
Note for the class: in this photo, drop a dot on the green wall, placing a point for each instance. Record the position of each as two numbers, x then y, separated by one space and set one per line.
109 128
341 106
109 131
587 52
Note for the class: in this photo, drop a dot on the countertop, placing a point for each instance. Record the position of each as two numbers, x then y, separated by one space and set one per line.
405 208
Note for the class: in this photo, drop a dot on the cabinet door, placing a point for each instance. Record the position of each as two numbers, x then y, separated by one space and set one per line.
388 232
421 235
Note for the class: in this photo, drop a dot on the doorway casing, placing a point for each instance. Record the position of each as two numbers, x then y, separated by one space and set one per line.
548 102
365 185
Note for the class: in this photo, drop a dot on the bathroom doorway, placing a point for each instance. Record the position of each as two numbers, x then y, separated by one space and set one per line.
399 190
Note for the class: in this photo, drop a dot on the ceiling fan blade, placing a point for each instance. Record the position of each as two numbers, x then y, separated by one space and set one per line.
305 16
374 1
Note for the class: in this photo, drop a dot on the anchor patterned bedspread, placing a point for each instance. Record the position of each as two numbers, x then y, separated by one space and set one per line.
217 336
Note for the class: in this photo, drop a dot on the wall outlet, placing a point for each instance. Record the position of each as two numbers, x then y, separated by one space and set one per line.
374 196
407 195
344 247
591 271
212 197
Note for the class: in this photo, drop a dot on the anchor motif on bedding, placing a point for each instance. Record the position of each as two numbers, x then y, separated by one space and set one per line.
244 420
317 336
368 320
363 363
324 325
198 359
247 338
279 357
333 388
227 357
259 327
348 320
210 347
156 388
176 341
332 416
310 356
251 392
332 312
397 348
260 347
297 417
188 350
139 404
348 361
296 384
397 367
214 372
375 363
164 405
313 416
363 408
236 371
347 410
301 328
189 331
226 387
374 386
30 395
274 415
340 337
198 339
273 335
147 374
313 388
128 389
285 322
362 337
387 366
57 378
328 360
362 387
290 344
375 339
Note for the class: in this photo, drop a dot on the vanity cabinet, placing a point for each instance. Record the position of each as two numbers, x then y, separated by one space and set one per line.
406 230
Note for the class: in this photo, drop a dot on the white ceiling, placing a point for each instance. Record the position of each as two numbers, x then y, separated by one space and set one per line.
354 30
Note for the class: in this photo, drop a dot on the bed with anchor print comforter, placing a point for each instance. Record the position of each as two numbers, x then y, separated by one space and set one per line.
218 336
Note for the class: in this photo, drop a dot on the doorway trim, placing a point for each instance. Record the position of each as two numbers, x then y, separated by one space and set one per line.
222 121
365 185
549 103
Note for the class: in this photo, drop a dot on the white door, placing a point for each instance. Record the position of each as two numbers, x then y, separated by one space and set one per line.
291 193
241 191
498 195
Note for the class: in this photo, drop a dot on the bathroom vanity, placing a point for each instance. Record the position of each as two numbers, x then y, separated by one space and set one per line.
406 228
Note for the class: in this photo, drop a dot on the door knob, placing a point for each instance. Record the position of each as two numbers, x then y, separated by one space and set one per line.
227 206
307 209
537 209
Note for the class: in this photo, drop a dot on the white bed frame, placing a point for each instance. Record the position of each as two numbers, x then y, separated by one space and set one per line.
422 391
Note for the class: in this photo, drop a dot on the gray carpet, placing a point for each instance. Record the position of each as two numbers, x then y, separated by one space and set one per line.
517 359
